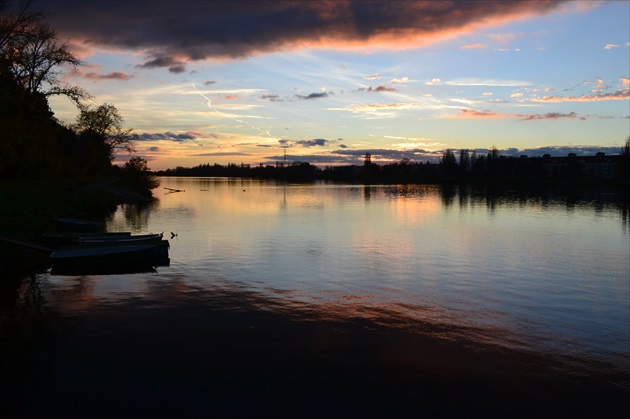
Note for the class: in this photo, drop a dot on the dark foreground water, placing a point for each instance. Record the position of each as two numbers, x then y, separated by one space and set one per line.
338 301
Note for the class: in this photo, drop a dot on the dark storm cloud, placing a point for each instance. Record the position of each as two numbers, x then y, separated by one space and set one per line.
170 33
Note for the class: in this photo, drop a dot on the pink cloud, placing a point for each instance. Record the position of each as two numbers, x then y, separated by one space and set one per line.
473 46
470 113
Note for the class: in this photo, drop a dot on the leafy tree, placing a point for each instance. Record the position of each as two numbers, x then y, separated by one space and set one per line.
31 54
136 174
27 132
104 125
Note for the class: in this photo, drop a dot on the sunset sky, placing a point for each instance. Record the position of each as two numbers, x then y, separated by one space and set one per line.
328 81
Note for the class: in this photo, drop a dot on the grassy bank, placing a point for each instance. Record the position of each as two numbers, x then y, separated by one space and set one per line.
29 208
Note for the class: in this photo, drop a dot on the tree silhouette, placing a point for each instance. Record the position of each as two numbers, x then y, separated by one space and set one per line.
625 159
448 161
464 161
104 124
31 54
137 175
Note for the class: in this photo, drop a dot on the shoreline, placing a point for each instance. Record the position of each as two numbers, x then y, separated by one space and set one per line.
29 208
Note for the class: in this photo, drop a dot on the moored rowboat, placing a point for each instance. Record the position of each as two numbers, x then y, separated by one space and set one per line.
137 239
102 253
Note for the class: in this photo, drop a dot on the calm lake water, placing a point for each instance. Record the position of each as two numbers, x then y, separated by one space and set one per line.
335 300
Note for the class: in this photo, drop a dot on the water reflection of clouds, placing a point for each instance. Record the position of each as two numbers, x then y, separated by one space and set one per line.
478 256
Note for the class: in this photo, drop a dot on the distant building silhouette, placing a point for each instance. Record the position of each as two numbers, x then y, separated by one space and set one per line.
599 166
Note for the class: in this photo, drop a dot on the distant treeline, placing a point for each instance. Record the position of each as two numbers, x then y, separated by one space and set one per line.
463 165
33 143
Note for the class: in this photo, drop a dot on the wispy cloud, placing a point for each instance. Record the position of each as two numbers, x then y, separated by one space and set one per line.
623 94
487 82
413 143
378 107
374 76
221 154
271 97
473 46
470 113
611 46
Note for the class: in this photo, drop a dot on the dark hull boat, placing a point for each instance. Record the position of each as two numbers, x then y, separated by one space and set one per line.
109 258
70 238
113 240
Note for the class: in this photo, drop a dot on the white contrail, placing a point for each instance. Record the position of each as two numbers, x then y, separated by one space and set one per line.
209 103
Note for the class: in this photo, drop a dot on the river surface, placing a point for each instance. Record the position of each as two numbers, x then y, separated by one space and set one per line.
339 300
